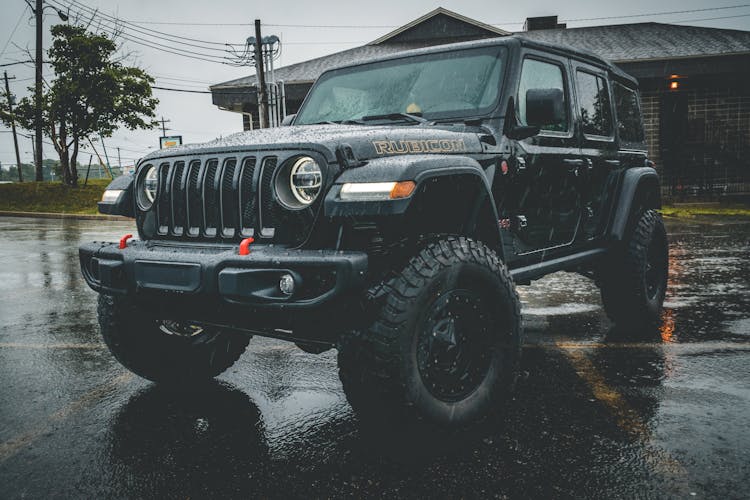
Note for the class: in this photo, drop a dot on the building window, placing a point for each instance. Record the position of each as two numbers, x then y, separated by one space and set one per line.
593 100
541 75
629 125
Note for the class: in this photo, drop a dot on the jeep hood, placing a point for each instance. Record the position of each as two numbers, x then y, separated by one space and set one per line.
366 141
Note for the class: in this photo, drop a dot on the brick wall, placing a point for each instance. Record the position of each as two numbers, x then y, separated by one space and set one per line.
650 110
713 157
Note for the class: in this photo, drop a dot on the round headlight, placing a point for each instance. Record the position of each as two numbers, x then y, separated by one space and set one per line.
148 187
305 180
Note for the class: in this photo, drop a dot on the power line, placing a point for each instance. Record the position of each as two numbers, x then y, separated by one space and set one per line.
113 29
16 62
178 52
130 150
711 18
2 52
23 79
172 89
179 79
175 23
326 43
149 32
182 90
655 13
194 86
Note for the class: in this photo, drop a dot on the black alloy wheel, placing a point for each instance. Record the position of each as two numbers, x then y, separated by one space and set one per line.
454 343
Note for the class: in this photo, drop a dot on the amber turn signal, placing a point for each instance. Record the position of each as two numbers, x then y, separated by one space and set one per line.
403 189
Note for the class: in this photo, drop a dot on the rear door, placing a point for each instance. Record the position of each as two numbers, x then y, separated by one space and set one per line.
547 192
602 164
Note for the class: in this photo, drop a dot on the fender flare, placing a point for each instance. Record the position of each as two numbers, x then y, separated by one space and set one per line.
639 189
417 168
124 205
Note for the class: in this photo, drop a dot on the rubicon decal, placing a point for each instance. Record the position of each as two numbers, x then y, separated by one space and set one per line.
420 146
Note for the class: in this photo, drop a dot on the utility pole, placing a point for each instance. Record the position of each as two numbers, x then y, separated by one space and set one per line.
39 15
88 169
33 148
119 160
109 167
163 126
38 92
13 124
262 96
98 156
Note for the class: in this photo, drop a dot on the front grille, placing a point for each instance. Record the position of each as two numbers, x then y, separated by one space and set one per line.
224 198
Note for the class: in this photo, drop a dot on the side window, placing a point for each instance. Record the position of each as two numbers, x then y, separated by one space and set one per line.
629 124
543 76
593 100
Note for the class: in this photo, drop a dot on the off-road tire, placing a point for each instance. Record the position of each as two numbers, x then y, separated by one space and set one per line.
136 340
633 279
379 366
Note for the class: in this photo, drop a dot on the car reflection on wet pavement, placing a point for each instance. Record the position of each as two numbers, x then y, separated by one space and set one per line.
598 412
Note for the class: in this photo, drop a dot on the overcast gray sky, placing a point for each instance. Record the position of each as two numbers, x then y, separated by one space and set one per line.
329 26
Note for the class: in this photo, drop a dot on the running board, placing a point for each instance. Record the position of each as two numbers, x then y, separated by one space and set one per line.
535 271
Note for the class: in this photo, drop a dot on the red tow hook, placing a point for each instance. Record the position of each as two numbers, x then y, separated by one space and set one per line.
124 241
245 246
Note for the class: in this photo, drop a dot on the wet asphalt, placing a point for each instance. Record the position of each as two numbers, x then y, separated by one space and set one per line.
598 413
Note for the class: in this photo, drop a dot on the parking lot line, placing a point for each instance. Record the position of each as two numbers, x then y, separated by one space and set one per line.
12 446
694 347
19 345
626 416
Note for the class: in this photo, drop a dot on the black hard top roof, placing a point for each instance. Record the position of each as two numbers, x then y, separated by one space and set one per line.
514 40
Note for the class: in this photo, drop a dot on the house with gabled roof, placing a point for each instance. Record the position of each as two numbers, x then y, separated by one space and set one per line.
694 91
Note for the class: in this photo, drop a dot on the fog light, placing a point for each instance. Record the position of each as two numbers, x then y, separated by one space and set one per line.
286 284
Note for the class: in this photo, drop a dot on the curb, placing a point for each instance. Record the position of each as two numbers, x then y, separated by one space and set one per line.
49 215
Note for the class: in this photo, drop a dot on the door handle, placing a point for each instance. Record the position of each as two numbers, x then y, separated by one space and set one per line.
574 162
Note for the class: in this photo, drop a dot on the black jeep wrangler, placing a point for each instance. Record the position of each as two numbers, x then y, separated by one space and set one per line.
391 220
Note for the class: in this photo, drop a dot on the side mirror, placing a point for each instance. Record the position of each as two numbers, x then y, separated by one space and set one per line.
545 107
512 129
288 119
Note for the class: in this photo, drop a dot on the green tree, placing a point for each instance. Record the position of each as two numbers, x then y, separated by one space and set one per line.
92 93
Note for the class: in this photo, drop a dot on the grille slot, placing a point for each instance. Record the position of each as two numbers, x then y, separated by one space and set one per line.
193 198
163 208
248 199
229 199
210 199
178 198
268 206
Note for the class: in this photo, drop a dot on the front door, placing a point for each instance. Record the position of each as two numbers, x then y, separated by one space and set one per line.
546 192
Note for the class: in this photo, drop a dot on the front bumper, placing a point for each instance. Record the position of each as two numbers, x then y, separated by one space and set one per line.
216 273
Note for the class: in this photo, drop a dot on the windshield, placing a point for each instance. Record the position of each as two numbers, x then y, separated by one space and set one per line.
435 86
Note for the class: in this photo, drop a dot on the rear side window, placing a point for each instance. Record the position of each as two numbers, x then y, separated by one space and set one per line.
594 103
629 124
544 76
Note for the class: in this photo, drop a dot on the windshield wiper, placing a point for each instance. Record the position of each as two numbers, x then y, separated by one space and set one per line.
395 116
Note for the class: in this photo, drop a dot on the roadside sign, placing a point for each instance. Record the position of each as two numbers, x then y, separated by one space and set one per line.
170 141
